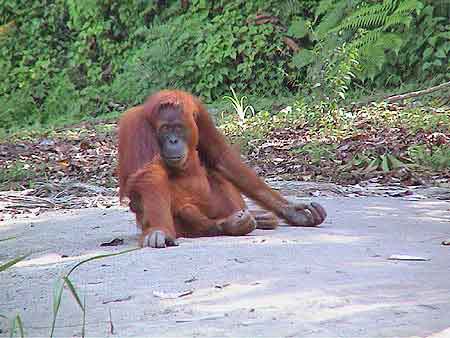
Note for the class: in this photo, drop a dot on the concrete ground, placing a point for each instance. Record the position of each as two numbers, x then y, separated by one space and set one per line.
335 281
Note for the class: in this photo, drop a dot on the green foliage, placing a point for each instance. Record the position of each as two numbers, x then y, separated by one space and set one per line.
299 28
16 172
376 28
436 157
396 39
426 53
247 130
339 71
68 60
419 119
250 131
316 151
152 66
328 81
303 58
59 56
207 49
368 162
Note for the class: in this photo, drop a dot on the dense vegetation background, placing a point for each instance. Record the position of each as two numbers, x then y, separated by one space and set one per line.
68 59
300 64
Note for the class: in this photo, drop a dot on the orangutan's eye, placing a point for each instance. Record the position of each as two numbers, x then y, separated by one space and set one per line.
164 128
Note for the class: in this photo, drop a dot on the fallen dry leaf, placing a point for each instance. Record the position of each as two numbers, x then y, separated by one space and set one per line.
114 242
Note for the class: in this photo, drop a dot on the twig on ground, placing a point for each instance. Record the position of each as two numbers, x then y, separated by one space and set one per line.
401 97
417 93
61 195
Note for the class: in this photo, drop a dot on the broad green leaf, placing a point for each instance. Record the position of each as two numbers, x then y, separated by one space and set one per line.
427 53
445 35
324 7
331 19
303 58
433 40
298 28
441 53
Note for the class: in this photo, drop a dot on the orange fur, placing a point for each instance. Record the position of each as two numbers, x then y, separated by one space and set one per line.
208 190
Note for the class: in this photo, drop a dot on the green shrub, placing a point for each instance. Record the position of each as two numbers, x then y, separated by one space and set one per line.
436 157
58 57
207 49
68 58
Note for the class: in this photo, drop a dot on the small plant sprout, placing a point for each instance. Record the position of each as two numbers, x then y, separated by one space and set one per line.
239 105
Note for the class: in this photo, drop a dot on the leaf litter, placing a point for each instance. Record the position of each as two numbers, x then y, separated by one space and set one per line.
75 167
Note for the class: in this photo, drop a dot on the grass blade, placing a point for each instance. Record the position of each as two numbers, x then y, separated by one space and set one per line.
13 328
7 238
57 295
58 290
12 262
20 326
83 328
73 291
99 257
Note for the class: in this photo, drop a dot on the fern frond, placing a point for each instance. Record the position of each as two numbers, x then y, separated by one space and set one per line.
390 41
325 6
376 21
407 6
371 61
369 10
397 20
290 8
382 41
372 55
373 9
390 5
365 21
387 14
331 19
368 38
